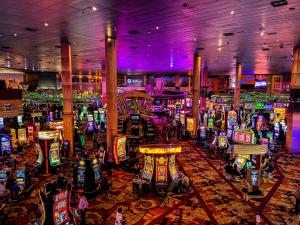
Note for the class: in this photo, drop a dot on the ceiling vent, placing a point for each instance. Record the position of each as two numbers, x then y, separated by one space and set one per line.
279 3
228 34
133 32
32 29
57 46
265 49
5 47
132 47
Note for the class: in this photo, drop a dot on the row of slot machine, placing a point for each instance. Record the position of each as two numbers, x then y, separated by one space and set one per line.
22 177
257 120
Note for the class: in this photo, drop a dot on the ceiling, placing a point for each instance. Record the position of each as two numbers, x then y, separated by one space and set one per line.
168 33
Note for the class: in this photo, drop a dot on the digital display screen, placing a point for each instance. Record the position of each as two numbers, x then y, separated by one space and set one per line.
97 174
1 123
260 84
54 156
3 175
81 175
5 144
90 126
157 102
135 117
254 177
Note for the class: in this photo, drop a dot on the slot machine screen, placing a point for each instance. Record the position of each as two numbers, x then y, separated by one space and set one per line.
5 144
81 175
60 208
22 135
210 123
97 173
3 176
1 123
161 170
39 152
20 120
20 176
222 142
120 149
254 177
90 126
54 156
191 125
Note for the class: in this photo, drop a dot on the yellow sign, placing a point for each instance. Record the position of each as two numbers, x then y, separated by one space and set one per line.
250 149
191 125
48 134
160 149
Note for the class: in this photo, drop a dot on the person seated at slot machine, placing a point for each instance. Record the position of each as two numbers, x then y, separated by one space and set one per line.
14 190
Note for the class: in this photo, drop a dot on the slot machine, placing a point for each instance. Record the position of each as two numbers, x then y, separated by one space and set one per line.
60 208
97 170
5 144
20 177
81 170
30 132
96 117
90 123
54 156
20 121
3 176
22 136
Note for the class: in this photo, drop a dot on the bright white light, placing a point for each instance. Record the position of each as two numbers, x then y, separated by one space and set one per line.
94 8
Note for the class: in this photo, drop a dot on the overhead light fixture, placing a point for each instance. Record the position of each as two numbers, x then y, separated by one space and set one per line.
157 28
94 8
46 24
232 12
279 3
195 39
262 33
220 49
15 35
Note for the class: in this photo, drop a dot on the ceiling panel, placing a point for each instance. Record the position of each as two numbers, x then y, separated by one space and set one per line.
169 33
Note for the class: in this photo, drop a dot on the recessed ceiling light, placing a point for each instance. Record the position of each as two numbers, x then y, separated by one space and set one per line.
149 45
157 28
94 8
15 35
279 3
262 33
232 12
228 34
220 49
46 24
195 39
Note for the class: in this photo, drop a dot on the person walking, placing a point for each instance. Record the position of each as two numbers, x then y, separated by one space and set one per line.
120 220
82 207
245 189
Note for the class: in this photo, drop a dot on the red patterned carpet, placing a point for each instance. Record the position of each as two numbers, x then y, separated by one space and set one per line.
215 200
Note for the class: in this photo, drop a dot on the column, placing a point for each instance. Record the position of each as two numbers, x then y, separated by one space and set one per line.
203 84
237 88
196 85
111 93
177 82
293 115
145 80
66 76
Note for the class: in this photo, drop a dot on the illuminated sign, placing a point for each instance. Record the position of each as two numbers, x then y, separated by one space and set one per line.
49 134
191 125
243 136
260 84
250 149
160 149
120 149
58 125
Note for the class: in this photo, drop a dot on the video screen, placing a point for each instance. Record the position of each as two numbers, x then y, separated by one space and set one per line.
3 175
81 176
135 117
97 174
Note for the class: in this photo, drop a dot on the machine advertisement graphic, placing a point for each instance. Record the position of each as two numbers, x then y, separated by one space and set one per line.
60 208
120 149
22 136
54 156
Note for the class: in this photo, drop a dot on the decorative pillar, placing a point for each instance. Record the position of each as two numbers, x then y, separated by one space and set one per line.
293 115
66 72
145 80
177 82
111 93
203 84
196 85
237 88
